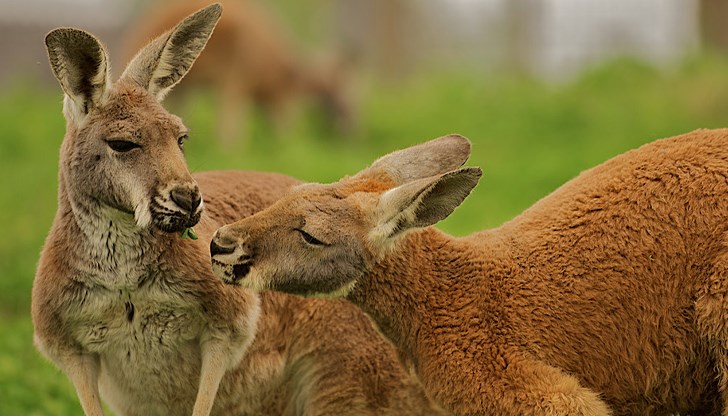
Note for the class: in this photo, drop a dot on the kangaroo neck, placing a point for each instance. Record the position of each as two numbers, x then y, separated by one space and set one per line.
407 287
104 245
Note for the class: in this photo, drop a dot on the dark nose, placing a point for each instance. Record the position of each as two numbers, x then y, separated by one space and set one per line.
186 198
221 246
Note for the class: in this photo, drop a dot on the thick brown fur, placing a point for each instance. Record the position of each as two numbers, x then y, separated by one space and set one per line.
608 296
250 61
133 314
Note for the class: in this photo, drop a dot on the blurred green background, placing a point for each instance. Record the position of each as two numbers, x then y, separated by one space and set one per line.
530 134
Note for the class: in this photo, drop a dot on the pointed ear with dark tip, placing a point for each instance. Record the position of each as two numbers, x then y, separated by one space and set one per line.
423 160
81 65
161 64
423 202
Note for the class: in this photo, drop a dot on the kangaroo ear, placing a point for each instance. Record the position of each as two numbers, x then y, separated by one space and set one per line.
161 64
424 160
81 65
423 202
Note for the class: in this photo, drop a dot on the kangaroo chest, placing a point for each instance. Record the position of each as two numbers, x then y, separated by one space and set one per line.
141 325
147 341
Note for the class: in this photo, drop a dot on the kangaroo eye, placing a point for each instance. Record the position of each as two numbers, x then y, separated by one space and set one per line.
181 140
310 239
122 146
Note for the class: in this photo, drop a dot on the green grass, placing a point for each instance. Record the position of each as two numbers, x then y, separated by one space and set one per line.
528 137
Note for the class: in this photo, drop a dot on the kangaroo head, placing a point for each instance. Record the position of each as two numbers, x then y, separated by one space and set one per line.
122 150
321 239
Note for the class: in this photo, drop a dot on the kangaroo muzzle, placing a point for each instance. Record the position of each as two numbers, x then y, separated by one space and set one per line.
177 207
231 260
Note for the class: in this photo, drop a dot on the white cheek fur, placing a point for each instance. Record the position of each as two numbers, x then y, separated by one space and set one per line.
341 292
254 280
140 202
142 214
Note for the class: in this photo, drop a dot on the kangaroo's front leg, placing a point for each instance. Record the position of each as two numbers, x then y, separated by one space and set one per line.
83 371
215 361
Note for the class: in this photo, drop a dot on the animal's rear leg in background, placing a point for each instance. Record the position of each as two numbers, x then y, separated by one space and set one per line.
233 121
711 308
531 387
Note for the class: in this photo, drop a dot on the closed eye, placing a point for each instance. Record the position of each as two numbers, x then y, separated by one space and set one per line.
310 239
122 146
181 140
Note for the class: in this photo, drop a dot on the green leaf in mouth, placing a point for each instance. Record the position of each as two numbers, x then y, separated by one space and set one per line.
188 232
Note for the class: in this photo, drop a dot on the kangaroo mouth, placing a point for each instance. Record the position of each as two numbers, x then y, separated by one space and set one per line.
232 274
173 221
240 271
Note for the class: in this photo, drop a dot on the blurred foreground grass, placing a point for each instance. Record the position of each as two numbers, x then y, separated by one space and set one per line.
529 138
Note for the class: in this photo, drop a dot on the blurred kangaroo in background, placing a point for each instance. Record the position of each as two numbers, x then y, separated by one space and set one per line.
247 63
132 313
